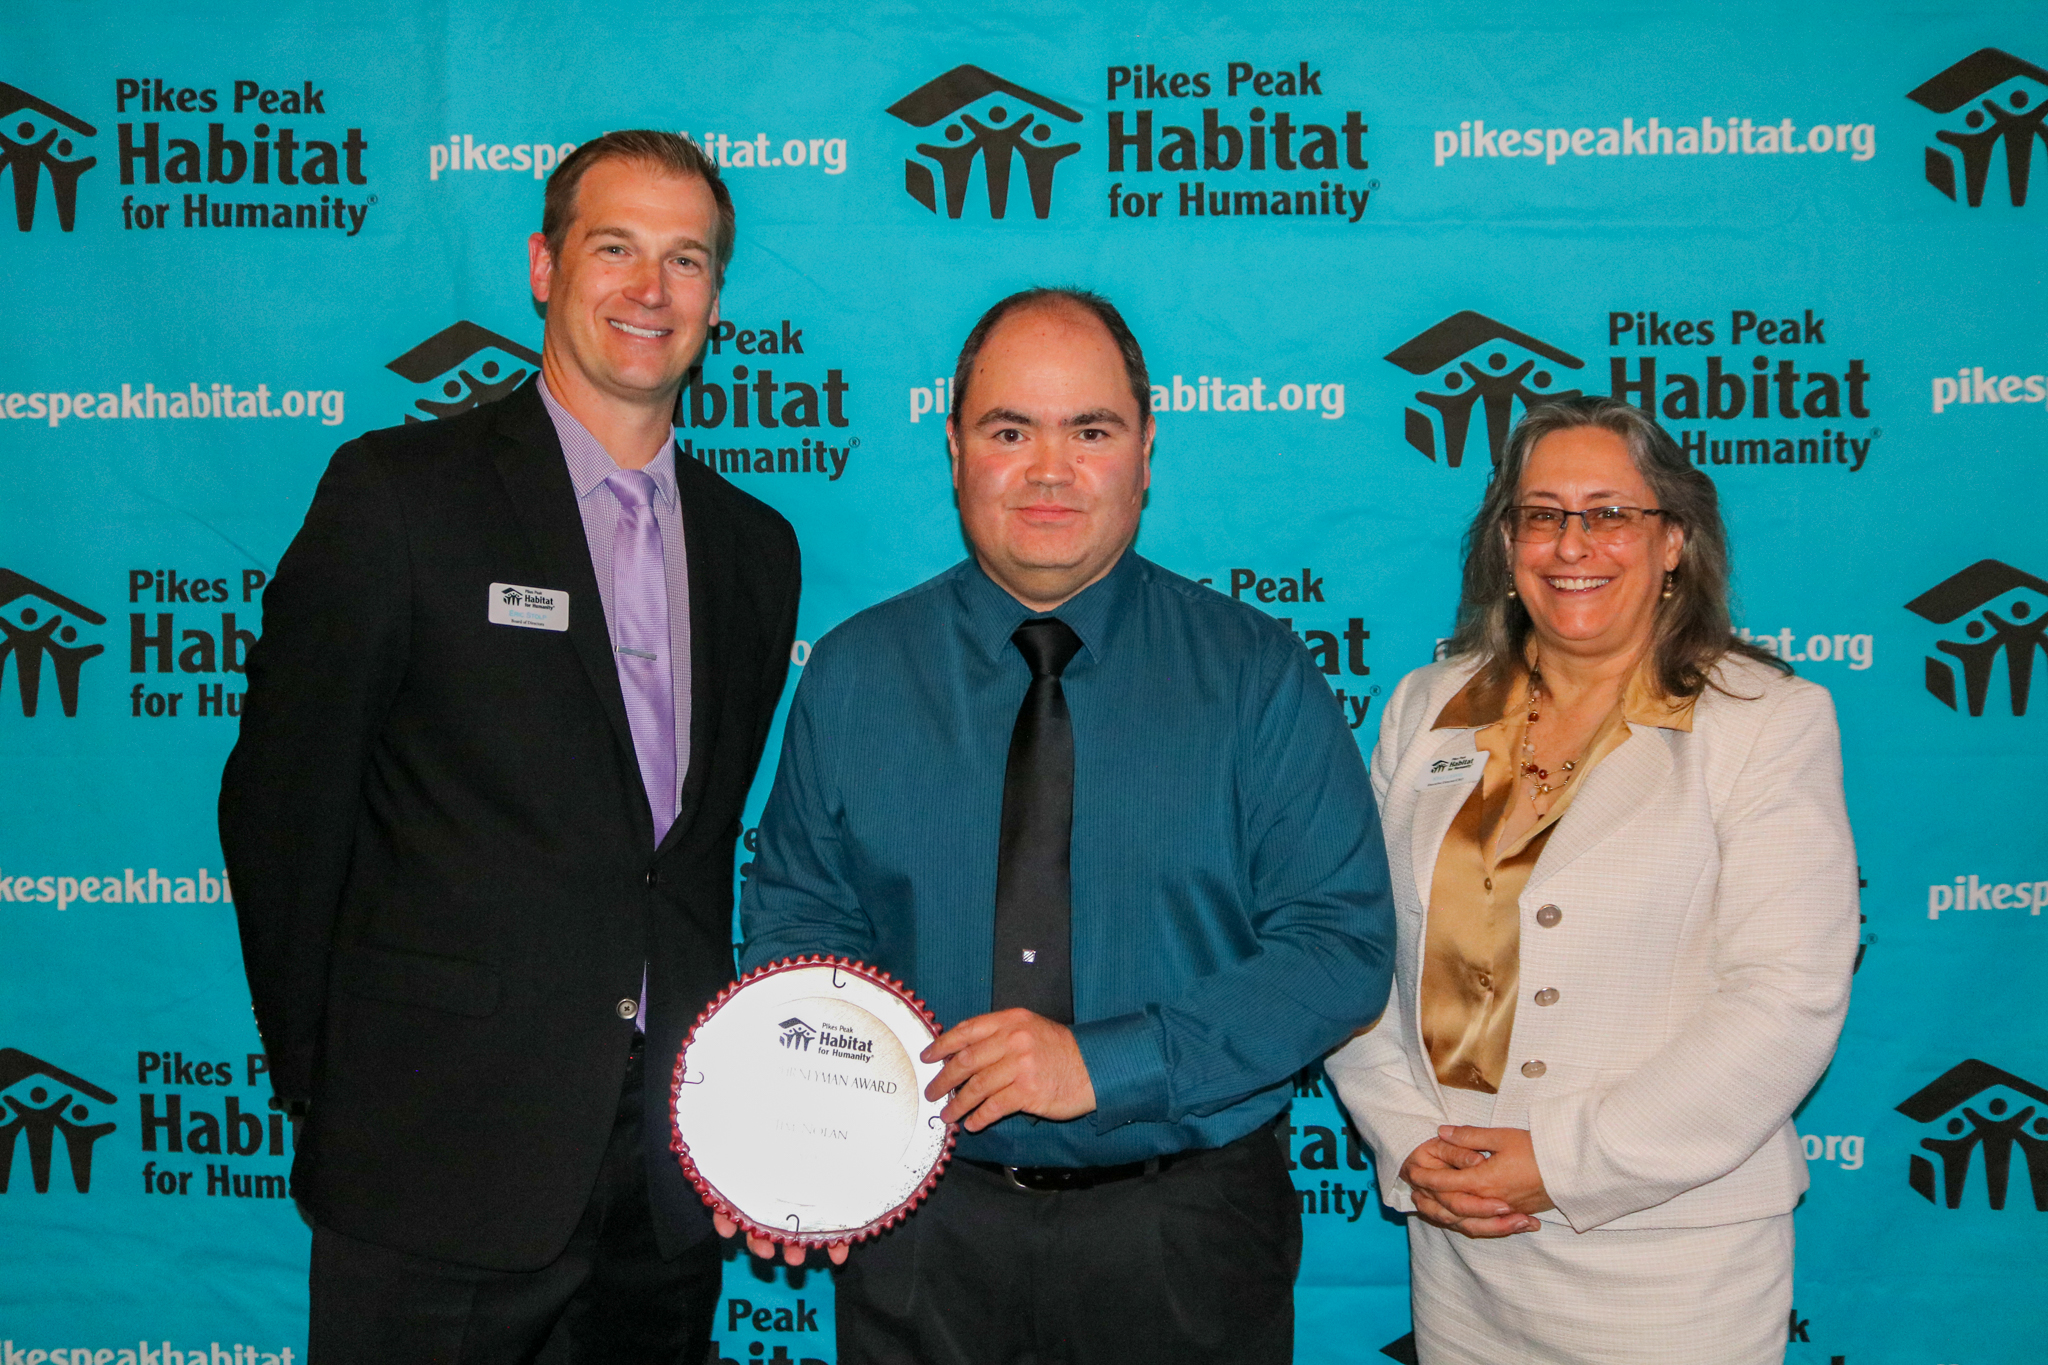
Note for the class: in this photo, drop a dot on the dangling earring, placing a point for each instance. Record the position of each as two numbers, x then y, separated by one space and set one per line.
1511 590
1668 577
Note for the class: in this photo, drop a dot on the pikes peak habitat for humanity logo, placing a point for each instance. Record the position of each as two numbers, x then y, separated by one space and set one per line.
463 365
1475 360
28 1114
982 123
2006 100
36 136
1975 1105
2003 610
796 1034
39 622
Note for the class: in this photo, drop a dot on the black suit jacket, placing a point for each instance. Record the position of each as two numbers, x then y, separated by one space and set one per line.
445 874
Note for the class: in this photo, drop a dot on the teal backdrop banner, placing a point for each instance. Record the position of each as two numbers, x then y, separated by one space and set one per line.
1355 240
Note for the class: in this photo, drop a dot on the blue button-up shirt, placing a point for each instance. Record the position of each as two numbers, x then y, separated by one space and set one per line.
1231 915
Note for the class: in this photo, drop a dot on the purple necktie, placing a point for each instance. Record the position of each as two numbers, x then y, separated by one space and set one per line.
640 641
640 645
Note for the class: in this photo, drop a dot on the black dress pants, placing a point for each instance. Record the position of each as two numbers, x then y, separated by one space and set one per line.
1193 1263
609 1297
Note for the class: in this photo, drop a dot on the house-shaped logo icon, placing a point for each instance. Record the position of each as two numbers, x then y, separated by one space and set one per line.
978 119
1997 99
2001 610
36 136
1974 1105
463 365
39 1103
37 622
1469 360
796 1034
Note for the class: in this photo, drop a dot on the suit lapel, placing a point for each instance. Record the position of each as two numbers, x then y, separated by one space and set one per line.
1436 807
1617 791
529 459
709 556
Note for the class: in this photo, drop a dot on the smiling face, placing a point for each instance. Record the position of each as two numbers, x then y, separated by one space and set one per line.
634 289
1051 455
1591 601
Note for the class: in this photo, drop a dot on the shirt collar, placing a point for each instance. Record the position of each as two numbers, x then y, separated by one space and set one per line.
590 464
1481 703
993 615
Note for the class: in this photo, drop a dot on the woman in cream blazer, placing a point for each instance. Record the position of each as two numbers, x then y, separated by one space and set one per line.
1679 953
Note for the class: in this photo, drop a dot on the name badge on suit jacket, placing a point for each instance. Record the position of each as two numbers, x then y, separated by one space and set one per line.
535 608
1453 771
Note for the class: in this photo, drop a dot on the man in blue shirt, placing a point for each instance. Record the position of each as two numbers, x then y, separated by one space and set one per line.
1170 849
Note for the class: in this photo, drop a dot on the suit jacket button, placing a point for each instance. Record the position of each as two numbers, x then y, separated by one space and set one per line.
628 1008
650 876
1547 996
1530 1069
1548 916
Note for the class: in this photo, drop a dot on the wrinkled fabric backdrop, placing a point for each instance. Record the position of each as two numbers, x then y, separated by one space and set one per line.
1355 242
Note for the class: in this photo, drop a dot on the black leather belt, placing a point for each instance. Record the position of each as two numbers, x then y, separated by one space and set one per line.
1053 1179
1050 1179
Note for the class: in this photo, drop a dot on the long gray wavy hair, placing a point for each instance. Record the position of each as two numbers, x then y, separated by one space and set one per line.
1691 630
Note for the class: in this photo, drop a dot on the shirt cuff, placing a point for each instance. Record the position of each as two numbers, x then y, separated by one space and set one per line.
1126 1068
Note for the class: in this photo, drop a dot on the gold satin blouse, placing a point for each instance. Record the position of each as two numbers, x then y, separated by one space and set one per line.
1471 965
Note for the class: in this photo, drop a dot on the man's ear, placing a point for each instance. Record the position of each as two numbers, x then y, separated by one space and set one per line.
1151 432
540 269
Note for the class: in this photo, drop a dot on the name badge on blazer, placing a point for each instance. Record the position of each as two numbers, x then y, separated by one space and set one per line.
1449 772
534 608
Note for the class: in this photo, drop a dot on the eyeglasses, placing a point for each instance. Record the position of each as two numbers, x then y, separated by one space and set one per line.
1603 525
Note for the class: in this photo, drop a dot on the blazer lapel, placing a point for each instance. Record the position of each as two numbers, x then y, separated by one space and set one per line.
529 459
1436 807
1617 791
708 549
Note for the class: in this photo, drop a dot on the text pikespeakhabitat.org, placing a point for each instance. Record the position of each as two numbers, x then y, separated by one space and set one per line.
145 1353
146 402
464 152
1475 139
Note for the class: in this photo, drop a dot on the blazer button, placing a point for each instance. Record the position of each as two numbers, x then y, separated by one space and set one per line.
650 876
1530 1069
628 1008
1548 916
1547 996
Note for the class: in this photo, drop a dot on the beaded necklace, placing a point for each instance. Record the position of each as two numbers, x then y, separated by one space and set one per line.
1538 778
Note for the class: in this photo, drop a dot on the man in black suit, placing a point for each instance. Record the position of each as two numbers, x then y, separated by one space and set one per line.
515 676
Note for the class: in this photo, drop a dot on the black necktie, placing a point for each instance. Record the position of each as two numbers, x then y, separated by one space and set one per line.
1033 885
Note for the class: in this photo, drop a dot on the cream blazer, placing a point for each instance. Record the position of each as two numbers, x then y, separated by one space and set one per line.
1704 893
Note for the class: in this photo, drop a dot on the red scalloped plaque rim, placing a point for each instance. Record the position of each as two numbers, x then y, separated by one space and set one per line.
716 1201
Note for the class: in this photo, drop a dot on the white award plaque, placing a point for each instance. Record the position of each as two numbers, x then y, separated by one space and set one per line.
798 1103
